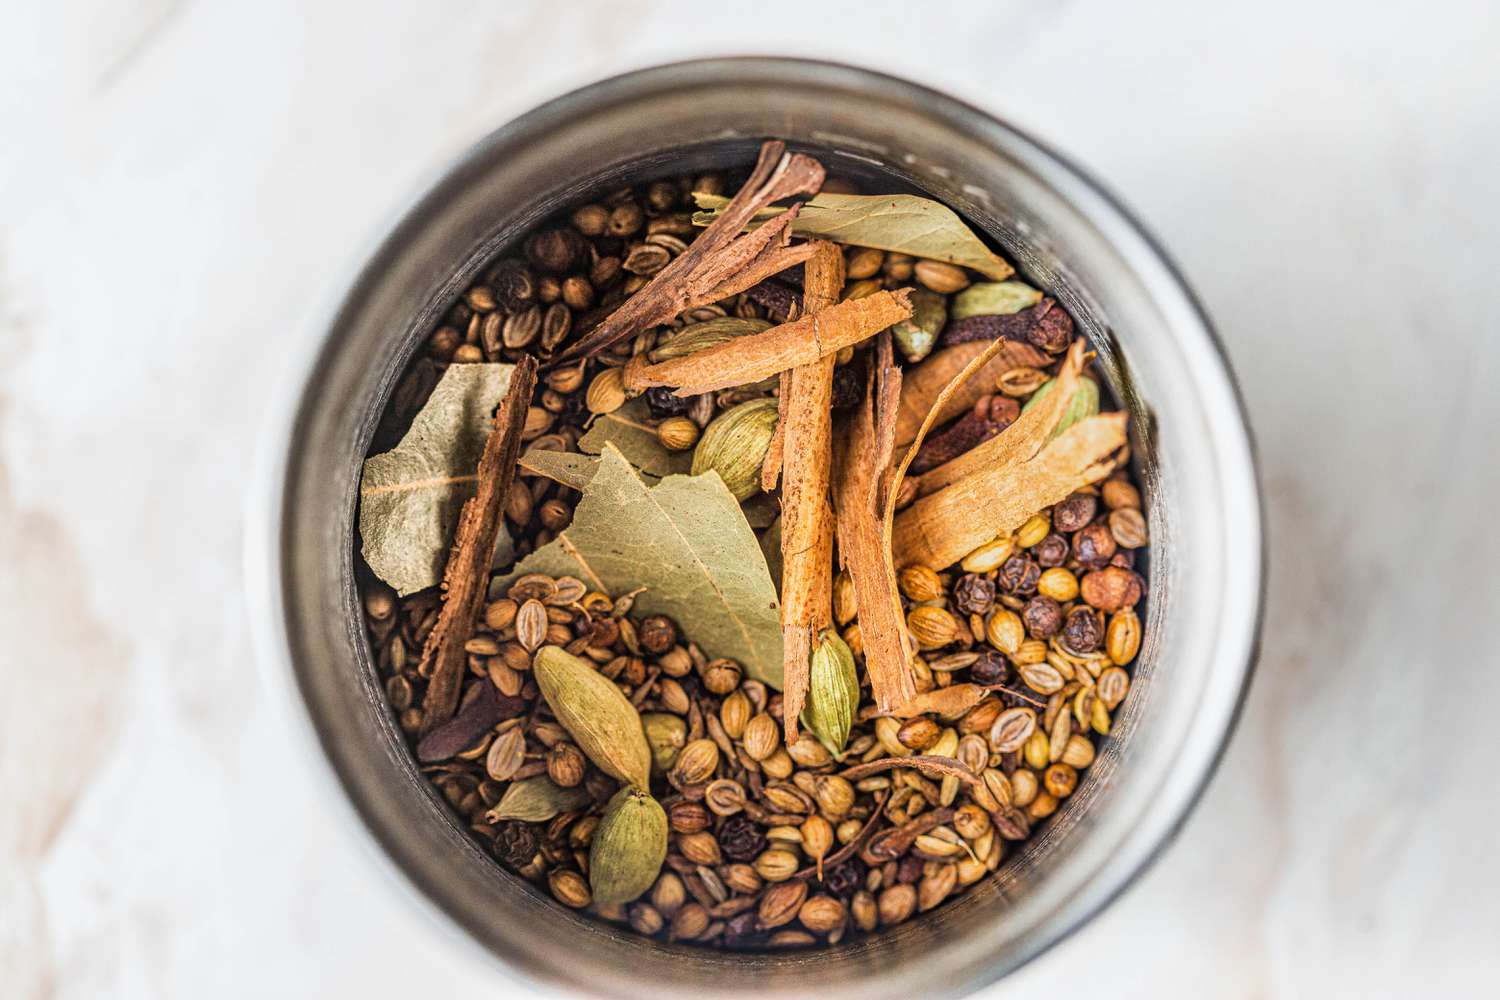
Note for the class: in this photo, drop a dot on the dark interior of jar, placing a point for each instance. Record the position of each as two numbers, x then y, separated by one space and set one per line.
923 930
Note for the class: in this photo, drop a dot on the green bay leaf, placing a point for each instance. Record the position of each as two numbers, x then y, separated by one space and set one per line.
410 496
629 429
687 542
901 223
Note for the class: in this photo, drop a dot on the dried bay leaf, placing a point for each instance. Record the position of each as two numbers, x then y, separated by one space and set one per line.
902 223
629 429
410 496
686 541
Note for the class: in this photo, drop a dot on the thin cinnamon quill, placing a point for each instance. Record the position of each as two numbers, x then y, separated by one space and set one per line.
721 261
941 528
760 355
806 517
860 489
466 576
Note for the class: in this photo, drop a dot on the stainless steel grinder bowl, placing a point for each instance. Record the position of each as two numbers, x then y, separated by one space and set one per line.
1191 447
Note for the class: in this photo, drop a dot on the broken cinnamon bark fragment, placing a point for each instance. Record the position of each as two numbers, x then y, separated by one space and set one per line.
860 488
806 430
721 261
760 355
466 576
943 527
923 382
1023 438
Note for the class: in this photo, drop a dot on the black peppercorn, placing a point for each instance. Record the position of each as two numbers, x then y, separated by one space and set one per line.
1074 512
512 283
1019 575
846 878
657 634
664 402
740 839
848 387
516 843
1083 631
1043 617
974 594
1094 546
1051 551
990 668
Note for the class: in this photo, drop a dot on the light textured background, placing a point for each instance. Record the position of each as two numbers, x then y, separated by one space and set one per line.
179 183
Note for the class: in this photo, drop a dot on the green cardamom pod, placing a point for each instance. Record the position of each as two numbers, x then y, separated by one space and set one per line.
601 720
832 692
1084 404
666 734
701 336
734 445
994 298
916 335
629 847
536 800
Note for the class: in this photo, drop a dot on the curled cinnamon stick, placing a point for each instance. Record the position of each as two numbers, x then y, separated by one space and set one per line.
860 487
467 573
806 517
1022 439
721 261
941 528
761 355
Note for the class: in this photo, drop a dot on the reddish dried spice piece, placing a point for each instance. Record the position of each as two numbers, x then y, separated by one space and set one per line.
990 416
1046 325
478 715
781 302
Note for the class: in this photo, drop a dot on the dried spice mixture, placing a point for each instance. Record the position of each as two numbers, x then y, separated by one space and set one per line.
753 571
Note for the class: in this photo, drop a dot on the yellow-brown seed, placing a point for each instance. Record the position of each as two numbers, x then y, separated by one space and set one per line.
940 277
1033 530
1079 752
1122 639
920 583
1113 685
734 714
700 848
606 392
936 887
817 837
863 262
822 914
569 889
690 921
844 605
1044 805
1035 750
988 556
1059 780
835 795
864 910
566 765
1128 526
696 763
932 628
721 676
919 733
1120 493
1005 631
1024 786
778 765
897 903
531 625
762 736
971 822
677 433
776 865
1059 584
780 903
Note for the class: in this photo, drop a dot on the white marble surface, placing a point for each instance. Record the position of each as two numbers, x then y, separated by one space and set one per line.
179 180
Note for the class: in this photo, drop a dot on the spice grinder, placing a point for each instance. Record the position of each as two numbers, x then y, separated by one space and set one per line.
1189 442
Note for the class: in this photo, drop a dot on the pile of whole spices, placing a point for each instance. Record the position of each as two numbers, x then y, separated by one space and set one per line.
744 588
